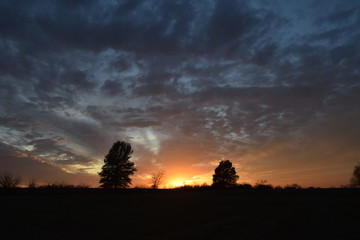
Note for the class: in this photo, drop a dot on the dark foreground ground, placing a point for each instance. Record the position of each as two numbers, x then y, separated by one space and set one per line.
174 214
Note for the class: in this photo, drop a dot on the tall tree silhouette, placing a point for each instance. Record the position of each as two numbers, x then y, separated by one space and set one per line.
117 169
225 175
355 180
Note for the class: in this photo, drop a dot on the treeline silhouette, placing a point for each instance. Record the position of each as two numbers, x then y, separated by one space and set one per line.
117 170
9 180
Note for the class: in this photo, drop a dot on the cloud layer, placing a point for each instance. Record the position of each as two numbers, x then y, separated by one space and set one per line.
274 87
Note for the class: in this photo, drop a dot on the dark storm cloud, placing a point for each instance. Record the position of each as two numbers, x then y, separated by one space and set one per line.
231 76
112 88
343 15
167 27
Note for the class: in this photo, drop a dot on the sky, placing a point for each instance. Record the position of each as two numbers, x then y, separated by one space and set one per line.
273 86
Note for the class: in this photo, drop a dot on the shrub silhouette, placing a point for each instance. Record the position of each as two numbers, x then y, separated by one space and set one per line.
244 186
32 183
117 169
63 185
293 186
225 175
262 184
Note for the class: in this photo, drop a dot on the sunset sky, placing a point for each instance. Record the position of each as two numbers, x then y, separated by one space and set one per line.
273 86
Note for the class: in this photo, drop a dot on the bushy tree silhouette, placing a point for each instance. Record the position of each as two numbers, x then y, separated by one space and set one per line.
225 175
355 180
117 169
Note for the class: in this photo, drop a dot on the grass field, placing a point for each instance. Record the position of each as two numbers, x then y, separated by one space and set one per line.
176 214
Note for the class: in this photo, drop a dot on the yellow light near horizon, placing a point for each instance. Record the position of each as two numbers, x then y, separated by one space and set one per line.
178 183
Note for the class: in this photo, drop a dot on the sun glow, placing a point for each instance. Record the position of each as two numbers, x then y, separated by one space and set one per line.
179 183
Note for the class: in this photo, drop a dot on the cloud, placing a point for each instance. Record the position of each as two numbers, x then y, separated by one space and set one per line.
31 167
187 83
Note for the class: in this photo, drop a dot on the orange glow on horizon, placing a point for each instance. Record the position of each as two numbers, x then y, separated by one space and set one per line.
178 183
178 176
180 180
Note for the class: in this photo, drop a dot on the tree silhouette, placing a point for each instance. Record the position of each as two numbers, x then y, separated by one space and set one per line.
355 180
157 178
117 169
9 180
225 175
